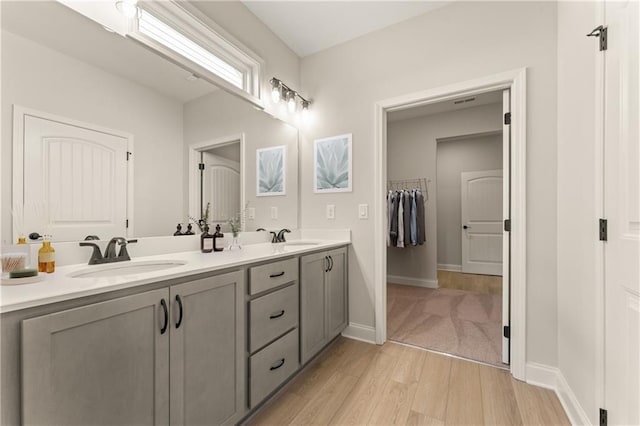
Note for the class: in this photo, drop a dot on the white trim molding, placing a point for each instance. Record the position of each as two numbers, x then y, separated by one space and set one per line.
552 378
449 267
416 282
515 80
364 333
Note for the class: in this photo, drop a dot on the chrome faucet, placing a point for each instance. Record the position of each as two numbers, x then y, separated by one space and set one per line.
110 251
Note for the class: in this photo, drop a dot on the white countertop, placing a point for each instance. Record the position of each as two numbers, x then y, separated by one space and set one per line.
59 286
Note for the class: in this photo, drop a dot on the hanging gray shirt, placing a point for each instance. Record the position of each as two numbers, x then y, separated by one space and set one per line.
420 219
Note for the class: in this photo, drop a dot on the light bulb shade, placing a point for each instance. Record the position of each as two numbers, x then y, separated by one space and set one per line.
129 8
291 101
275 93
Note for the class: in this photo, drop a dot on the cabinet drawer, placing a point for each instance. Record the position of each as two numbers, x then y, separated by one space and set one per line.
272 315
271 275
270 367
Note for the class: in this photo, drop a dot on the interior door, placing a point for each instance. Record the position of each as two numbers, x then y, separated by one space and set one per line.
221 187
75 180
506 214
482 222
622 211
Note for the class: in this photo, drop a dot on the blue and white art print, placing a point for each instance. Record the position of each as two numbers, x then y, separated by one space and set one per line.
332 164
270 171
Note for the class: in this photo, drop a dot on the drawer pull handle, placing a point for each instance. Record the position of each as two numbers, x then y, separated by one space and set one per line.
277 315
276 275
280 364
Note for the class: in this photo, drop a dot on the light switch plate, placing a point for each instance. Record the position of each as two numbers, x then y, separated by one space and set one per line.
363 211
251 213
274 212
331 211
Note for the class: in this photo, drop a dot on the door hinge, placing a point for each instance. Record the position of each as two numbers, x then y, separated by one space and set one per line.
602 228
603 417
507 225
600 32
506 331
201 166
507 118
128 155
126 223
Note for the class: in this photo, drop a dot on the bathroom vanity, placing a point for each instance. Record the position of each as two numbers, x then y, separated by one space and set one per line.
205 341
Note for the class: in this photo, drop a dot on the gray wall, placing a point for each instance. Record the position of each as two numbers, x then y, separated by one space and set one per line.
454 157
411 153
448 45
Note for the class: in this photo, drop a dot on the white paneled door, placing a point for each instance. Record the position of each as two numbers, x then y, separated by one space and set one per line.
221 187
75 180
622 211
482 222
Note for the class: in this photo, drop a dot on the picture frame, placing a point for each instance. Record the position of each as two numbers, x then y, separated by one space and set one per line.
271 171
333 164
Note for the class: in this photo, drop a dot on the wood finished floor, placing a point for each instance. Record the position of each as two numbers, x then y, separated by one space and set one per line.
359 383
491 284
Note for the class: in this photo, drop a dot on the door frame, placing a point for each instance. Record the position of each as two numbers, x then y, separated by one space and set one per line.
515 81
194 173
17 191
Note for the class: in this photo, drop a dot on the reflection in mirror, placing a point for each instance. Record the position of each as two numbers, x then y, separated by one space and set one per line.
152 122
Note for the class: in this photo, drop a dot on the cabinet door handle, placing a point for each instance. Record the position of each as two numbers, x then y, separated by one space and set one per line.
278 315
276 275
166 316
326 264
330 263
280 364
179 301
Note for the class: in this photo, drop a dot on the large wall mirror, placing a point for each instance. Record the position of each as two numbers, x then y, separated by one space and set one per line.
101 136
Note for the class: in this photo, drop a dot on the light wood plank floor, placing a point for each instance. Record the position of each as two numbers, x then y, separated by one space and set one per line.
358 383
471 282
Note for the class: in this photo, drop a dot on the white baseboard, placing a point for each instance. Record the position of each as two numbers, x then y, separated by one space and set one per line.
417 282
552 378
448 267
364 333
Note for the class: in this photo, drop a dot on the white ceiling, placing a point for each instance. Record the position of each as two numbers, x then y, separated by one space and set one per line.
56 26
446 106
311 26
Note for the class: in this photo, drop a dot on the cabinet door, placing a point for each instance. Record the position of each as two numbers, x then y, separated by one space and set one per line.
336 285
207 349
106 363
312 304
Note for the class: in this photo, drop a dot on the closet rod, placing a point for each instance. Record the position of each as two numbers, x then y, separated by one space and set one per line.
401 184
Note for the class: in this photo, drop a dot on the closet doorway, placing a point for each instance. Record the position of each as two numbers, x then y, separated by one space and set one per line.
449 291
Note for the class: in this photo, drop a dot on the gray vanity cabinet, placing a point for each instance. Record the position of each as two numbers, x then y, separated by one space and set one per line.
105 363
323 299
125 361
207 340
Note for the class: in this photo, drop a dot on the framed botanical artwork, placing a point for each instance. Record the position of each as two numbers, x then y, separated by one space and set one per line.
270 171
332 164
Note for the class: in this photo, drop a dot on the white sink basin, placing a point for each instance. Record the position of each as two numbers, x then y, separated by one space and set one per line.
125 268
299 245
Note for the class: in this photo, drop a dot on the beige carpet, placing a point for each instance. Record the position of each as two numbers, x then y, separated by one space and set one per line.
454 321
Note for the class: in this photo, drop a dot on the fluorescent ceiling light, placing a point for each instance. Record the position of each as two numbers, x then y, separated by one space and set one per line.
152 27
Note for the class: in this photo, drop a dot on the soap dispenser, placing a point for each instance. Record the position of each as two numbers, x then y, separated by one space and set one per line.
217 235
207 241
46 256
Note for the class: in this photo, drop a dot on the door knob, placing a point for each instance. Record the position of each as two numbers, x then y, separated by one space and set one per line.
466 227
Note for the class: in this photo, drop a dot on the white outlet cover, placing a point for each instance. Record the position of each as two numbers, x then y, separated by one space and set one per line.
274 212
331 211
251 213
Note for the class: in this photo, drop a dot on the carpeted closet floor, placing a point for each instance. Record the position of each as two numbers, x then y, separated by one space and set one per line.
459 322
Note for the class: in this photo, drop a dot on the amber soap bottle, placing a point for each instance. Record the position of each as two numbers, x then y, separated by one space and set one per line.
206 241
46 256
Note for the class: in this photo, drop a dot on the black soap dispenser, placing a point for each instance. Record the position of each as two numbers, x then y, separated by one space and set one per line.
207 241
217 235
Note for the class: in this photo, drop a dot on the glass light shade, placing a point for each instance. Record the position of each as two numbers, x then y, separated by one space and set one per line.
275 93
291 102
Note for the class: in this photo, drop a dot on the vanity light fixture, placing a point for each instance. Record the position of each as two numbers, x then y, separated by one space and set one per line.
280 91
129 8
